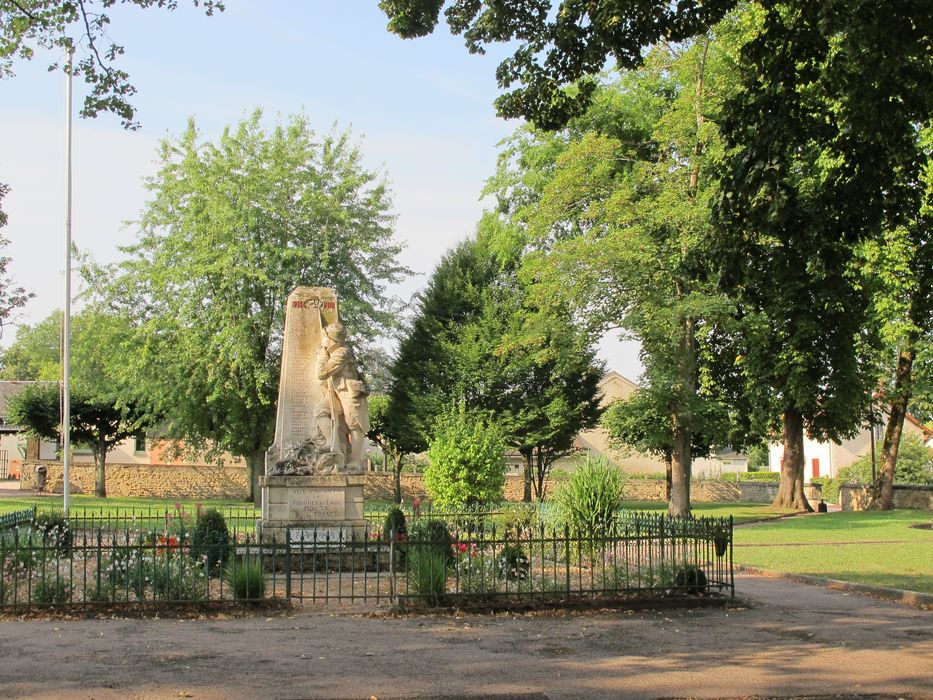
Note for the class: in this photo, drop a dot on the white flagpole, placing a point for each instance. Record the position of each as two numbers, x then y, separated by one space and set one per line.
66 327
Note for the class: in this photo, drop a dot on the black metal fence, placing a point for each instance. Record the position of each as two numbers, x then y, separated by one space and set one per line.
467 559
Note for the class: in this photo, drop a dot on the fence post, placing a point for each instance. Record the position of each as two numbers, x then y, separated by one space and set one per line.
288 564
731 568
567 556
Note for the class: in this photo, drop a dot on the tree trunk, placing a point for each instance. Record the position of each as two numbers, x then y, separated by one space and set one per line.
679 503
397 476
790 492
100 475
682 419
892 434
541 471
526 473
255 467
668 476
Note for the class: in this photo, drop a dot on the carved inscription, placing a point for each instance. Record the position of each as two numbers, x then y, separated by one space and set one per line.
311 505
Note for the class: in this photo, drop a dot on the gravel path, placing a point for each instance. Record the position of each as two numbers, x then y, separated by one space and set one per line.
788 640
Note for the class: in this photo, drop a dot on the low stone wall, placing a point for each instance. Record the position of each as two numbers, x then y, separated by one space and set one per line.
906 496
145 480
380 486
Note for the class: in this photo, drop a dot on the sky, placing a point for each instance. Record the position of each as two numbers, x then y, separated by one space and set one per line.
422 111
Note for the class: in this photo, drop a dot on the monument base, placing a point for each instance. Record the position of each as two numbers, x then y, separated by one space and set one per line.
312 510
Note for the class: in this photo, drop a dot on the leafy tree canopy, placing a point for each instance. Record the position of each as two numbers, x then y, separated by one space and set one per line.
559 44
231 229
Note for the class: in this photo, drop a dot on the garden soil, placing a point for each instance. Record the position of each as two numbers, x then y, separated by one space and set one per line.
784 639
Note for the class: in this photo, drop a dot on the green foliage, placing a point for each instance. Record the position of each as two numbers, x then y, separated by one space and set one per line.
51 588
758 458
55 531
176 578
35 353
434 535
49 24
513 563
427 574
590 500
394 525
557 46
210 539
232 227
914 466
247 579
466 461
11 297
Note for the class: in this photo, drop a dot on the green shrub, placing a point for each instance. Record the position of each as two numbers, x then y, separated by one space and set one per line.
769 477
512 563
175 578
54 527
210 539
466 461
51 589
394 525
589 501
247 579
427 574
690 580
434 535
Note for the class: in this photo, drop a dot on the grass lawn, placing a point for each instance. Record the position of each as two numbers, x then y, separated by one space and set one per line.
741 512
880 549
113 504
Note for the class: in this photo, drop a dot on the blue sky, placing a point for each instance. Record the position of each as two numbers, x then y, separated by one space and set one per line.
421 109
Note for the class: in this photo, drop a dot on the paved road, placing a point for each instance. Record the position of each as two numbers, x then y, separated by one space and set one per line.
790 640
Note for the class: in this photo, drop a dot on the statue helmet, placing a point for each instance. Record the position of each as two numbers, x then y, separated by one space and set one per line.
336 332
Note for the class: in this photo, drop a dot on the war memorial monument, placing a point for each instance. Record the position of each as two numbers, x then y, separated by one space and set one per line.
314 476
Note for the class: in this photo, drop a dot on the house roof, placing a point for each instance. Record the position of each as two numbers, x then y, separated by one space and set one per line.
926 430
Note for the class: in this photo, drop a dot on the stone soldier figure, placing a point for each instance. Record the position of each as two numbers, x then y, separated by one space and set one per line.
337 367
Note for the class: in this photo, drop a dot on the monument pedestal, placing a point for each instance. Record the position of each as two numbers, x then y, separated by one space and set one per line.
313 509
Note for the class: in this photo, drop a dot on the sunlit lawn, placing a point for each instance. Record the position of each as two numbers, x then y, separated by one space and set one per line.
741 512
113 504
880 549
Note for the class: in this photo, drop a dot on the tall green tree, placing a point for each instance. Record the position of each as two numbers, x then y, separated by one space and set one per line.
899 268
104 410
616 207
382 433
477 342
30 25
230 229
807 178
11 296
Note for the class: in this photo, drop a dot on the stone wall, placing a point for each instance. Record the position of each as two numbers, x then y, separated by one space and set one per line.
145 480
907 496
380 486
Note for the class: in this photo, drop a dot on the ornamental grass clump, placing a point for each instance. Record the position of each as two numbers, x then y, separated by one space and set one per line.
210 540
590 501
433 535
427 574
247 579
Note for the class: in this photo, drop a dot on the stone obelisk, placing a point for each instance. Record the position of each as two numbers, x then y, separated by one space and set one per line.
308 489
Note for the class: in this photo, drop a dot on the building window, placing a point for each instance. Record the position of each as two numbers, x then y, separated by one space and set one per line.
139 443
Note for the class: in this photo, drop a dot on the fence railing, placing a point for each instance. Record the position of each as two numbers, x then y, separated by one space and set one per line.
138 561
18 517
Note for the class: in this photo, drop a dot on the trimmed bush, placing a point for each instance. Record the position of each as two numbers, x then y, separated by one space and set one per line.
590 500
247 579
394 525
512 563
210 539
467 463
